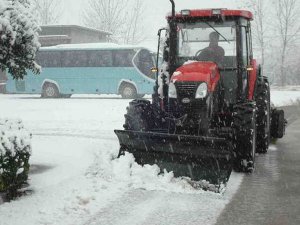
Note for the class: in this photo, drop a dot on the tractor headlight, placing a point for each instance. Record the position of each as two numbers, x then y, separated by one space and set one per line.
201 91
172 91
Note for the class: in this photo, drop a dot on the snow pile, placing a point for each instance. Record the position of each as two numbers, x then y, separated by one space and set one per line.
18 37
125 170
190 62
13 137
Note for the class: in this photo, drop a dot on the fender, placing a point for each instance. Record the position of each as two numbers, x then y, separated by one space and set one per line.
127 81
252 77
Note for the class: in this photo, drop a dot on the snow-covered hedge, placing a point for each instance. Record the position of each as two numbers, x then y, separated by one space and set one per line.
15 150
18 37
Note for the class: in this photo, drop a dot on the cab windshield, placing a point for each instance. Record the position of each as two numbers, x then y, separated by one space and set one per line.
208 41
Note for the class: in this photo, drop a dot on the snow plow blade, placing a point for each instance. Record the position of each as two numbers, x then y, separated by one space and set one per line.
197 157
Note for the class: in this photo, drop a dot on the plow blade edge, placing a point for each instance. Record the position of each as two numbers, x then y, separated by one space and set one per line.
197 157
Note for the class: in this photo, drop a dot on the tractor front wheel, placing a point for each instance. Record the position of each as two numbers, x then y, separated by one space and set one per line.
138 116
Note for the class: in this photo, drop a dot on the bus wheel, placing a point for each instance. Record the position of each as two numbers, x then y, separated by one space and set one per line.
128 91
50 91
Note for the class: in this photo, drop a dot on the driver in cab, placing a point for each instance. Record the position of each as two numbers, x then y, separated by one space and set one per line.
213 52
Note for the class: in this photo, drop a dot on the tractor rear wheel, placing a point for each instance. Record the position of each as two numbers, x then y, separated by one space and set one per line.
245 136
263 116
277 123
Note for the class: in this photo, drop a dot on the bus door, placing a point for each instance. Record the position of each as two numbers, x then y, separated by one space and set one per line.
3 80
20 85
144 61
123 67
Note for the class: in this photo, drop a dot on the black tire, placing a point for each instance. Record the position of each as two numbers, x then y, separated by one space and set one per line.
50 91
138 116
277 124
245 136
262 98
128 91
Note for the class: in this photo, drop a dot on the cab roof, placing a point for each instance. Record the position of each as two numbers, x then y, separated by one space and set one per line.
206 13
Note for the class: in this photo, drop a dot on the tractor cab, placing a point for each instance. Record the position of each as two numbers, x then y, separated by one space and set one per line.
218 39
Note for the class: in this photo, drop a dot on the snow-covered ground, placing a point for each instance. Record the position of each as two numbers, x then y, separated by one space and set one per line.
288 95
76 180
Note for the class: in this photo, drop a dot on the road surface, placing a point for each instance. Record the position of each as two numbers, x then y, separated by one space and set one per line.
271 195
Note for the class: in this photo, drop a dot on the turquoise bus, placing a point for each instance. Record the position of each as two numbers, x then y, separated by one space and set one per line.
97 68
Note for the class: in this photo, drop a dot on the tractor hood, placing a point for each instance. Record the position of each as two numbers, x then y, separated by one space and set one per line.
196 71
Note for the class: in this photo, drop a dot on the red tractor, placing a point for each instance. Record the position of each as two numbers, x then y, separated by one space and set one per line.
210 111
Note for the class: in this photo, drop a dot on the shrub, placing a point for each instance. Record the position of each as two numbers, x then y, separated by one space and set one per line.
15 150
18 38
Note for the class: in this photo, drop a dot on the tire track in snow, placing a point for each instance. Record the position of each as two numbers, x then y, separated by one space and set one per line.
99 136
132 208
143 207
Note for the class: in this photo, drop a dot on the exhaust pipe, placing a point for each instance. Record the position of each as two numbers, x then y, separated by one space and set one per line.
173 8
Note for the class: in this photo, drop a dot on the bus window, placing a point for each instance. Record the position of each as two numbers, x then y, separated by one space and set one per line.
49 58
144 62
74 59
80 59
100 59
123 58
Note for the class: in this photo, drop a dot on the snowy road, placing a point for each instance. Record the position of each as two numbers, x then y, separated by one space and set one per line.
76 181
160 207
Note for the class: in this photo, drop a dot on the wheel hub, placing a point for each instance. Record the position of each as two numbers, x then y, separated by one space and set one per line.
127 91
50 91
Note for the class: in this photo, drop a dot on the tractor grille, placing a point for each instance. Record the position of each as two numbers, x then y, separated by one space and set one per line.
186 89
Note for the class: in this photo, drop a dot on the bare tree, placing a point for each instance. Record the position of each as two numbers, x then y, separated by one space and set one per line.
120 17
133 31
288 26
105 14
49 11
